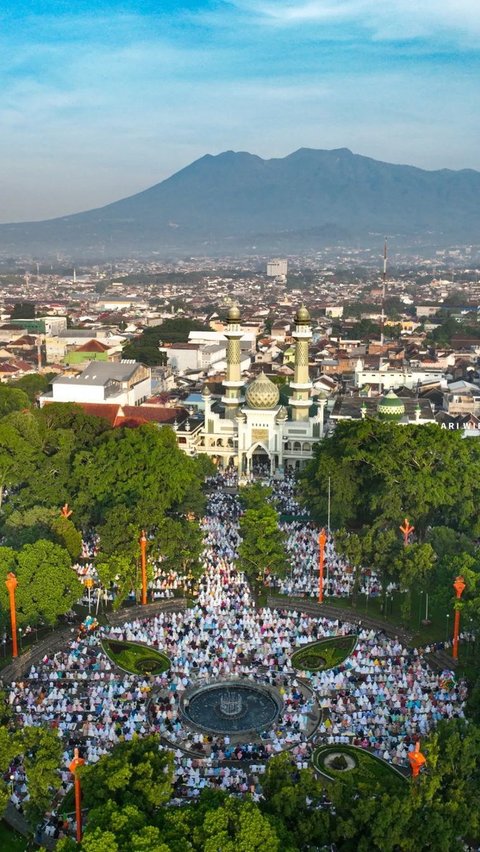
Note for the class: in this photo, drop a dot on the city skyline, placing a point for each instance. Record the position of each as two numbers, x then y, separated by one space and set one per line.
105 102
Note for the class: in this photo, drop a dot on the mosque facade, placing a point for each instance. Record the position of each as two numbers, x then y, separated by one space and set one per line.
250 428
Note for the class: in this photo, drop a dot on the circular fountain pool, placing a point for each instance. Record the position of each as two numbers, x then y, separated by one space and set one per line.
231 706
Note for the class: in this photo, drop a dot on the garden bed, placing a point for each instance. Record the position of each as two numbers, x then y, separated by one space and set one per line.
324 654
339 762
136 658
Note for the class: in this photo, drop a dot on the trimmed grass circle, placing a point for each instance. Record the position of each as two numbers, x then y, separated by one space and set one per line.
136 658
362 767
324 654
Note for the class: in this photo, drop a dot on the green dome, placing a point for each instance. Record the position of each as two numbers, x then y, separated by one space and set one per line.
391 407
262 393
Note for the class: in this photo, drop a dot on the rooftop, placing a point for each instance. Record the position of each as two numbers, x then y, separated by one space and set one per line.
101 372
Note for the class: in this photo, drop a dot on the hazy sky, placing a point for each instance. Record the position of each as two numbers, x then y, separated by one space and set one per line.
100 100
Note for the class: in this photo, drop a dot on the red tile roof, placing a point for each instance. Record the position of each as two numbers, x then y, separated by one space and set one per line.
92 346
150 414
25 340
133 415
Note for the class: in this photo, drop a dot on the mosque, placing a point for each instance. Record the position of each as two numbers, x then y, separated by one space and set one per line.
250 428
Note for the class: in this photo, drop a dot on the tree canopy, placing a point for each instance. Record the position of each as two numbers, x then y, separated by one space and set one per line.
32 384
145 348
40 750
262 548
381 473
439 810
141 469
12 399
47 585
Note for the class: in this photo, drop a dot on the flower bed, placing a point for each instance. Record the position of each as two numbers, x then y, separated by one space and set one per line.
360 765
324 654
135 658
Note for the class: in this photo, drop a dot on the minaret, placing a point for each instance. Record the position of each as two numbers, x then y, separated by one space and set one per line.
384 287
207 402
233 384
301 385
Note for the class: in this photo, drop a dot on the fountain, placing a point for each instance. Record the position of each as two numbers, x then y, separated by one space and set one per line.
231 704
231 707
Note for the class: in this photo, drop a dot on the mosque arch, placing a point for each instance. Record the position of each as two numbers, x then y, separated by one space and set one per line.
258 448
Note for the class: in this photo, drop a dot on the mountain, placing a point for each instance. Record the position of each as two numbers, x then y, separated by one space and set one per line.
237 202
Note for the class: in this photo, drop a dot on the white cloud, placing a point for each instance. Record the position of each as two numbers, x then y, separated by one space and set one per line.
391 19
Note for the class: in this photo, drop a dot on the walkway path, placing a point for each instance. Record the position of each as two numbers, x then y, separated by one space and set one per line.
437 659
58 640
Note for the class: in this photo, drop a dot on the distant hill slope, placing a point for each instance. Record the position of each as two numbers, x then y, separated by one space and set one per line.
234 201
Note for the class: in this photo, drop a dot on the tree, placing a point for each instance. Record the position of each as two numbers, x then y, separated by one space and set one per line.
293 798
437 811
17 457
121 571
33 384
205 466
145 348
381 472
179 544
142 469
47 585
45 476
26 526
119 534
413 565
86 428
12 399
138 773
383 550
255 496
23 310
41 751
64 532
238 826
263 543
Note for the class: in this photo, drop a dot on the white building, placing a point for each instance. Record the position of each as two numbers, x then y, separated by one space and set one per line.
396 377
247 341
115 303
277 268
58 345
194 356
103 382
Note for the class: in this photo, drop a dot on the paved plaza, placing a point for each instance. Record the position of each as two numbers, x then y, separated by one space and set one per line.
383 697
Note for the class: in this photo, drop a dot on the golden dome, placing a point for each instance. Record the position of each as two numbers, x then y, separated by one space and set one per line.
302 315
233 314
262 393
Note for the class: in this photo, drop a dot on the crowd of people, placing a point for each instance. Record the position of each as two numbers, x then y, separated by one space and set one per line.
383 697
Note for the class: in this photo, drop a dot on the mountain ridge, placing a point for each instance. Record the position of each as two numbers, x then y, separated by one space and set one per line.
222 202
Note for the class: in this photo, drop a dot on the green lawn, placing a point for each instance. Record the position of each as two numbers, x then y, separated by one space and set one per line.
369 769
135 658
10 841
324 654
439 629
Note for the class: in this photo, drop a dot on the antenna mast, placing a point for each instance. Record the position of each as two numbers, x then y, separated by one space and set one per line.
384 285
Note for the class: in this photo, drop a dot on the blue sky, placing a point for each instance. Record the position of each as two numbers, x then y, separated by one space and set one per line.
99 100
